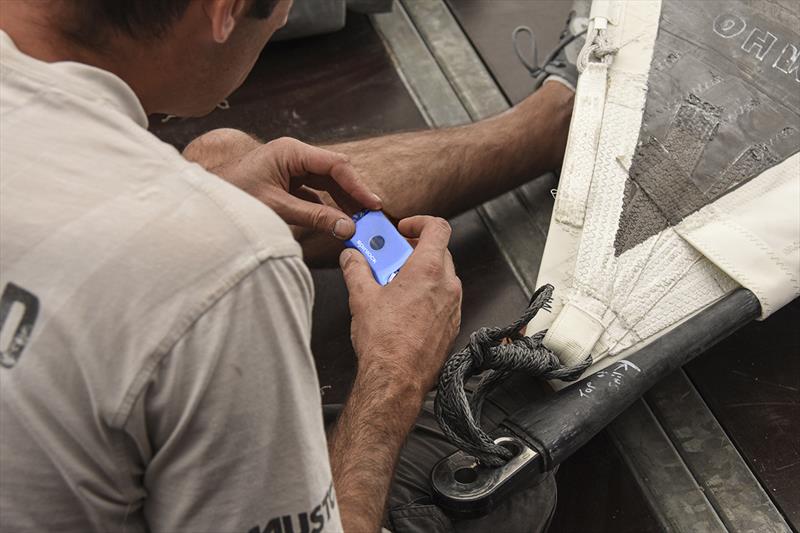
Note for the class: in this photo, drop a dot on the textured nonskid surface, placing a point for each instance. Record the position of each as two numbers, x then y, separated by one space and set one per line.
723 105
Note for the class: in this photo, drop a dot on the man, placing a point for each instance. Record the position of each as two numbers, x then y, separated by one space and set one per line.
157 374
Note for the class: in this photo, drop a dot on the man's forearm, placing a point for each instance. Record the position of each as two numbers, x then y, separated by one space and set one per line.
440 172
446 171
364 446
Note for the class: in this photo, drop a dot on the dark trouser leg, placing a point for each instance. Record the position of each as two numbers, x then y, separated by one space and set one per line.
410 508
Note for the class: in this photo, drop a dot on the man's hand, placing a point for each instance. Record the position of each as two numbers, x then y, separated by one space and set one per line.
402 333
407 327
287 174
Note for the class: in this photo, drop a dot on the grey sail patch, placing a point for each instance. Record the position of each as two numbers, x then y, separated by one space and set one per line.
723 106
694 126
662 177
751 163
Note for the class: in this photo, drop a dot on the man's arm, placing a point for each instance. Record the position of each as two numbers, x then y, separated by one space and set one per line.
365 444
439 172
286 175
401 333
446 171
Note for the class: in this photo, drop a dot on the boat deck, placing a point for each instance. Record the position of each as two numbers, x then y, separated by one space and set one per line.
743 396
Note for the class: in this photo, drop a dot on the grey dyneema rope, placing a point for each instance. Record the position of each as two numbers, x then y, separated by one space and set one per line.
457 415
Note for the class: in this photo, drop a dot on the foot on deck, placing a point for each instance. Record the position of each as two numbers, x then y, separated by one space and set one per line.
560 63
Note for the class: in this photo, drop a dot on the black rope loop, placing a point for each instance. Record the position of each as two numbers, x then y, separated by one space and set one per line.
497 352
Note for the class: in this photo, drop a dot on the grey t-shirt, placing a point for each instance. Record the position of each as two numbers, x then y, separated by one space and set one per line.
154 327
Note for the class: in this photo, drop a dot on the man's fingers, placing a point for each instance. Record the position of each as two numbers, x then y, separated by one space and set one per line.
340 198
433 233
319 217
308 194
345 175
357 275
412 227
304 159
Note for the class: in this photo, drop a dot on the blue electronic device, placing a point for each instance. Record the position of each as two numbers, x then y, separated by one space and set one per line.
379 241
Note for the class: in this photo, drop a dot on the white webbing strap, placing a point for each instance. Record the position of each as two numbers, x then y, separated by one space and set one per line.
605 12
598 48
573 335
587 115
584 133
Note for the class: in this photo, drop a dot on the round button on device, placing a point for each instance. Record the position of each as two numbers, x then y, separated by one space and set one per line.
377 242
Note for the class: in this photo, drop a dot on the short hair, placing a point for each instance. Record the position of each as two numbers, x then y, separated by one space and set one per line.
92 21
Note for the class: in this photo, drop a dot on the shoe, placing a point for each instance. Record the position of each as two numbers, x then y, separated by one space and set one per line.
560 64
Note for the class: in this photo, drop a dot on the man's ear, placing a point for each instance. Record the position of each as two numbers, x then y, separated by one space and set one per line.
224 15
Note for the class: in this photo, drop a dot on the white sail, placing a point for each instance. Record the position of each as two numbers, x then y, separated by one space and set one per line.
681 179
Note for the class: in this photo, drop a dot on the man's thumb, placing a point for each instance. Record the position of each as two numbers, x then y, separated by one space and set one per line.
324 219
357 274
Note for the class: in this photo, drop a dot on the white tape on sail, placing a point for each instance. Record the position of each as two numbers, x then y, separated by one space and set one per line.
584 134
761 252
596 264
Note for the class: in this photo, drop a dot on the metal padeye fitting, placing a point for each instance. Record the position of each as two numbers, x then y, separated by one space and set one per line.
467 488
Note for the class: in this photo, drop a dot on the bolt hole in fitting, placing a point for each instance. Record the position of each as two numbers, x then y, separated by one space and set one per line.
464 486
512 447
466 475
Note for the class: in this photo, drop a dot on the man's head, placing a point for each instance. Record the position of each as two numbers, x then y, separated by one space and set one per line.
180 56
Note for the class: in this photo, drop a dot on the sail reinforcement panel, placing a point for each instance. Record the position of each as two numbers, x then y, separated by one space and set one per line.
681 179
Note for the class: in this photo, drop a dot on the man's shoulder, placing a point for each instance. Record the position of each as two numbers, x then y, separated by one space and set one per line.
114 231
219 203
110 158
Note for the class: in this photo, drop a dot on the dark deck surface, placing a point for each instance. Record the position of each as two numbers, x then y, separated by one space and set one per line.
343 86
752 384
489 25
